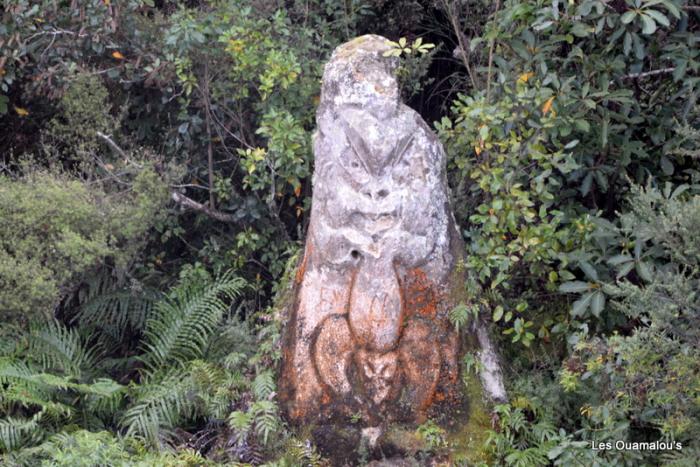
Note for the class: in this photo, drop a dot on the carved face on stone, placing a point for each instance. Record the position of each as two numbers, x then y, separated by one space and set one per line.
377 373
370 188
365 329
373 175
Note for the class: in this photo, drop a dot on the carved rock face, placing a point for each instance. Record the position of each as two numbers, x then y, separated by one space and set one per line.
368 329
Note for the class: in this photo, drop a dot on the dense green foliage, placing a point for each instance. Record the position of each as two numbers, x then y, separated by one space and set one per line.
155 187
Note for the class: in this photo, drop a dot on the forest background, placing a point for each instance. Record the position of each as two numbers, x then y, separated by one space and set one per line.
155 164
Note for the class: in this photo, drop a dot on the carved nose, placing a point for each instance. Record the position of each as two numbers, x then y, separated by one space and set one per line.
376 194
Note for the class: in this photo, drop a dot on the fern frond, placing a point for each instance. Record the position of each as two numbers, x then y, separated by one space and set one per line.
297 452
266 418
264 385
241 423
61 349
21 386
114 312
235 335
160 401
182 324
15 432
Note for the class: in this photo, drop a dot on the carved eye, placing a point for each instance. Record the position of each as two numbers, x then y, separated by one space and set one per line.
400 150
355 160
354 167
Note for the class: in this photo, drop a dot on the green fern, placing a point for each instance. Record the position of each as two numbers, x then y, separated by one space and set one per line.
57 348
241 423
175 385
262 418
264 385
297 452
235 336
215 387
182 323
266 416
114 311
44 383
15 432
11 337
159 402
166 398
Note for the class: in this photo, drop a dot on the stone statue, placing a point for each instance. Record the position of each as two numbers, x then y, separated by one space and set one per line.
368 330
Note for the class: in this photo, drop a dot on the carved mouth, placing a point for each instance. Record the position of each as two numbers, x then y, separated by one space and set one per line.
374 223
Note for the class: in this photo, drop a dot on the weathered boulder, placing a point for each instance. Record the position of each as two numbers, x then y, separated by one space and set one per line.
368 334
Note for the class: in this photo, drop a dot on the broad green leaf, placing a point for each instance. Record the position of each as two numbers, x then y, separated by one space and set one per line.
678 73
619 259
586 183
628 17
604 132
648 24
582 125
670 6
542 26
658 17
597 303
644 271
497 313
571 144
581 305
589 270
666 166
581 30
574 287
627 43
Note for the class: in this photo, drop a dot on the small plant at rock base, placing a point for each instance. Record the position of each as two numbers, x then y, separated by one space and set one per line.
434 436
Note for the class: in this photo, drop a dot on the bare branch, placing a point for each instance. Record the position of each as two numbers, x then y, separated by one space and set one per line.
454 22
647 74
179 198
195 206
650 73
110 142
491 46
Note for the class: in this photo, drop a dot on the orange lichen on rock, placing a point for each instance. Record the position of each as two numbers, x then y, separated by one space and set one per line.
302 267
420 294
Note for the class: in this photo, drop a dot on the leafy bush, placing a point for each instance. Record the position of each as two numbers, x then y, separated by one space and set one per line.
56 229
648 381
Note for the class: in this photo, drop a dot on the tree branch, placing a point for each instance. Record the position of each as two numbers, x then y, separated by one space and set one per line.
463 49
110 142
646 74
183 200
650 73
179 198
210 149
491 46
